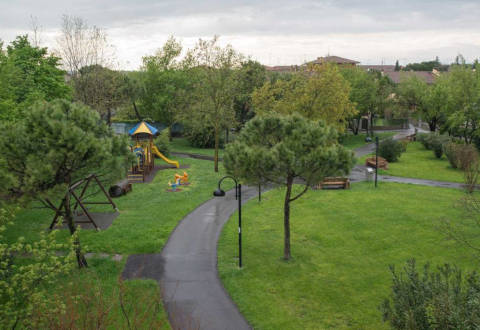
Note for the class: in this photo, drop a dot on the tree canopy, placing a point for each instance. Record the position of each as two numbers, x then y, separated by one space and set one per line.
280 149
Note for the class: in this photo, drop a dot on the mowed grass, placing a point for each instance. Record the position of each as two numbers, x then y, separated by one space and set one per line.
148 214
342 244
420 163
351 141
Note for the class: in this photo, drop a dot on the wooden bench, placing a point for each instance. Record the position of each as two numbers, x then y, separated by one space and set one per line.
333 182
411 138
382 162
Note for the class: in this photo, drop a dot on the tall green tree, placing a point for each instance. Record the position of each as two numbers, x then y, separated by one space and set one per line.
54 145
165 84
28 74
411 94
284 149
213 68
322 94
464 107
249 76
101 89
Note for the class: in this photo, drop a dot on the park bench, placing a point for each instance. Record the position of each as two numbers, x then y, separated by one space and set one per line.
333 182
411 138
382 162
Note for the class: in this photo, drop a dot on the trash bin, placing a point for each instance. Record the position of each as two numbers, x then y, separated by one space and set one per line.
369 172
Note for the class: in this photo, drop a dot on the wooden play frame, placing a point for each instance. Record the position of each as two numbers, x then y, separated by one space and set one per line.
80 200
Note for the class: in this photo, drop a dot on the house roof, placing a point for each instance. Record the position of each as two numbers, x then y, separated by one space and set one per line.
143 127
282 68
399 76
333 59
381 68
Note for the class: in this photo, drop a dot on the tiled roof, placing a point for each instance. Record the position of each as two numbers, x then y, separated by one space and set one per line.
381 68
399 76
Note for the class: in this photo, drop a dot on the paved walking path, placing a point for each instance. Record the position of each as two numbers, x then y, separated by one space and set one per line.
186 269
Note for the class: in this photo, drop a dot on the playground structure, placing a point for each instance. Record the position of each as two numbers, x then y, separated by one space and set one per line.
145 152
80 201
180 180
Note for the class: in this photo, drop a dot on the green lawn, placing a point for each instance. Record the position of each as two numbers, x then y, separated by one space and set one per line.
342 244
351 141
182 145
148 215
418 162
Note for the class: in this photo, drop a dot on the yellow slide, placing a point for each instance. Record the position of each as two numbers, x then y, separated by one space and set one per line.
159 154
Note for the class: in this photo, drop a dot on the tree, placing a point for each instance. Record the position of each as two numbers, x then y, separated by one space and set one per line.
436 103
24 282
464 107
284 149
53 146
249 76
323 94
411 93
212 67
101 89
81 45
28 74
164 84
397 66
363 94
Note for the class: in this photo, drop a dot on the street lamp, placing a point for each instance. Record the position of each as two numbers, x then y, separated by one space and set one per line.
238 196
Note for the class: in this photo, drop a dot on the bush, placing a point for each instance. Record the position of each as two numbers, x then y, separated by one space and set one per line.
437 147
441 299
425 140
200 136
162 142
390 149
467 155
450 150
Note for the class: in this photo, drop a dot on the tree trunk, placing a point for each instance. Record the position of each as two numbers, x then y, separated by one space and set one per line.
286 219
432 124
82 262
217 143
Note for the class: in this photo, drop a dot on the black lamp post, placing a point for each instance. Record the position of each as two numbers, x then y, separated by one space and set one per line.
238 195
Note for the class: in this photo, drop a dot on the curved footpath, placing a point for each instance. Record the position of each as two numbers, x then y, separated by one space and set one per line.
186 269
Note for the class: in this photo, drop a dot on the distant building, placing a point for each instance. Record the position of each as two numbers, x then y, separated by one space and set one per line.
283 68
398 76
380 68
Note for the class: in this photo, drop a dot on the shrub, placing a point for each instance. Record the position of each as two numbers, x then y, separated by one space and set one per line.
450 150
390 149
437 147
467 154
201 136
441 299
425 140
162 142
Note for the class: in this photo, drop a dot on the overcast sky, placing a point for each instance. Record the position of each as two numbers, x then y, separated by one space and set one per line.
273 32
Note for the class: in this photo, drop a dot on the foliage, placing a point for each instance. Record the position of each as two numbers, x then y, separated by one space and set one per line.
281 149
162 142
426 66
460 155
450 151
441 299
53 146
165 84
86 305
323 94
249 76
26 271
411 93
101 89
437 147
28 74
201 135
463 118
390 149
212 68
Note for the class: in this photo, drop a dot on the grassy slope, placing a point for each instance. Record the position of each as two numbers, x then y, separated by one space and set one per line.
417 162
147 216
342 244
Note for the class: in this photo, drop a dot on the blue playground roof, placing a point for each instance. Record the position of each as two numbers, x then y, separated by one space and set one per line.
143 127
